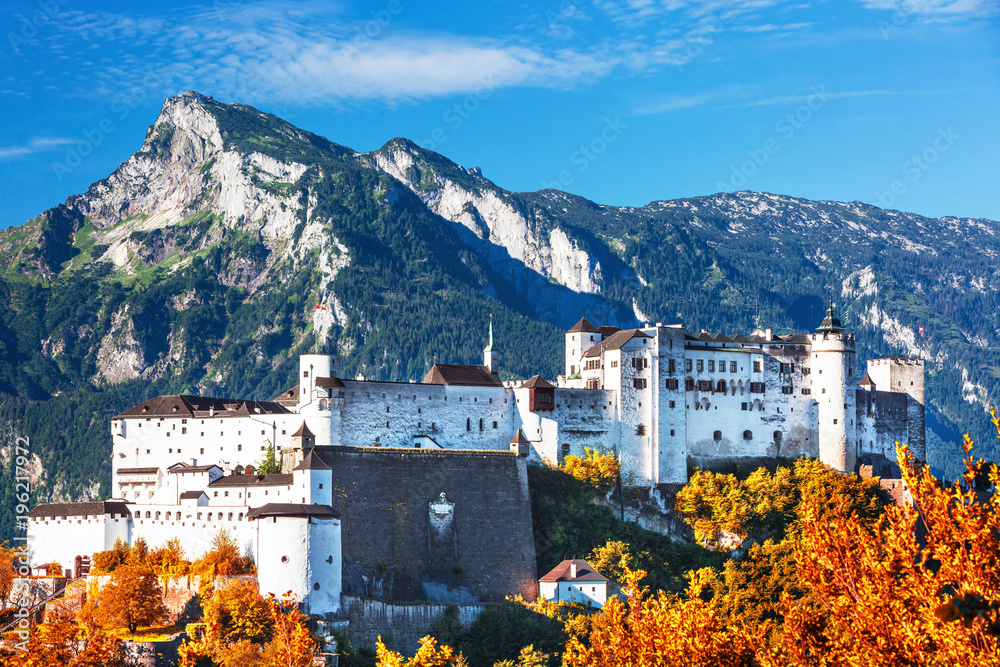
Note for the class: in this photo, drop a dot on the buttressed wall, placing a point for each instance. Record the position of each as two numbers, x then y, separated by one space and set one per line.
403 541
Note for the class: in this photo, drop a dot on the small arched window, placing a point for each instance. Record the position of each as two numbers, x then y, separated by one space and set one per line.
717 436
748 435
721 387
468 424
322 404
777 437
689 384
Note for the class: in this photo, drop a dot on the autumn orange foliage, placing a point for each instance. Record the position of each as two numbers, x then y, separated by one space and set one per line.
428 655
244 629
60 641
595 469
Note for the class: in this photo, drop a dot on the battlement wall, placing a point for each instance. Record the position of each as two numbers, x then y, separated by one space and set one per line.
476 545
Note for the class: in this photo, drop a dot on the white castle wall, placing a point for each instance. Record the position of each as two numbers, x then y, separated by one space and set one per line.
391 413
61 539
222 440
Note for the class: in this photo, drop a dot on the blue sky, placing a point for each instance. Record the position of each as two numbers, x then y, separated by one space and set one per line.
890 102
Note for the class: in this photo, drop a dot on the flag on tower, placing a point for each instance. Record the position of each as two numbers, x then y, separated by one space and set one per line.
921 330
318 307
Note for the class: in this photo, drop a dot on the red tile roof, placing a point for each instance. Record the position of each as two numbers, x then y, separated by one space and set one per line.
537 382
462 376
584 572
183 405
583 325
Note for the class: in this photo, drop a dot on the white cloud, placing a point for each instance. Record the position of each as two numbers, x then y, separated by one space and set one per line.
938 8
37 145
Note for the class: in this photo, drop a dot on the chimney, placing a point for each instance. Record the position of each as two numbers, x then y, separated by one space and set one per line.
194 462
769 334
572 571
211 411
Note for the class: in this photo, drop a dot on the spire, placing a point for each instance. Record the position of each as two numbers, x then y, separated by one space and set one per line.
491 347
831 323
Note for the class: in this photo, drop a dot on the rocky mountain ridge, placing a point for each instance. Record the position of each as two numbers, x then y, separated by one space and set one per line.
231 241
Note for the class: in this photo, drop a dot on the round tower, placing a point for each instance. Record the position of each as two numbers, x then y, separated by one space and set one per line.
833 388
299 551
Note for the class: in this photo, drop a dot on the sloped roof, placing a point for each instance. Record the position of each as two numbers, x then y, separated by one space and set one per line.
184 405
137 471
185 469
866 381
253 480
192 495
831 323
290 396
584 572
80 509
461 375
615 342
537 382
606 330
303 432
312 462
293 510
583 325
329 382
519 438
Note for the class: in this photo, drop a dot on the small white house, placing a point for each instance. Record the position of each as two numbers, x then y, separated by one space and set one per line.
574 581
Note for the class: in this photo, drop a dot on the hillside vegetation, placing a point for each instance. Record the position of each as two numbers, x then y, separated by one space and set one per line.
198 266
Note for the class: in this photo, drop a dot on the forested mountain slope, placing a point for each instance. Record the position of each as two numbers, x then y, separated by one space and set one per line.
198 266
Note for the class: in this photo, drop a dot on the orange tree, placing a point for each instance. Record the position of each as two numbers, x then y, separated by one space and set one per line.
132 597
661 629
62 642
921 588
244 629
597 470
428 655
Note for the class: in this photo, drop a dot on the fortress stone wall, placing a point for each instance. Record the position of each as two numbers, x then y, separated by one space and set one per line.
478 546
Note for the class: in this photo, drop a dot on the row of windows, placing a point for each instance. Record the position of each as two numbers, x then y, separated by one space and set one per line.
748 435
156 516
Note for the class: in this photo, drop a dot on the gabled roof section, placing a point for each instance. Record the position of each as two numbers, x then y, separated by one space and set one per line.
462 376
335 383
583 325
184 405
293 510
537 382
185 469
303 432
615 342
312 462
584 572
192 495
866 381
607 330
49 510
289 397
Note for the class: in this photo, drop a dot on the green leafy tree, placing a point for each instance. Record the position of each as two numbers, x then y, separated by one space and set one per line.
269 465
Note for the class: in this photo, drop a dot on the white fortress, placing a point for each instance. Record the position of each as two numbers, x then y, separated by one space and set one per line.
657 396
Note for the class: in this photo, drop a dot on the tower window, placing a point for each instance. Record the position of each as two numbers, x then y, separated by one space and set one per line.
748 435
717 436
